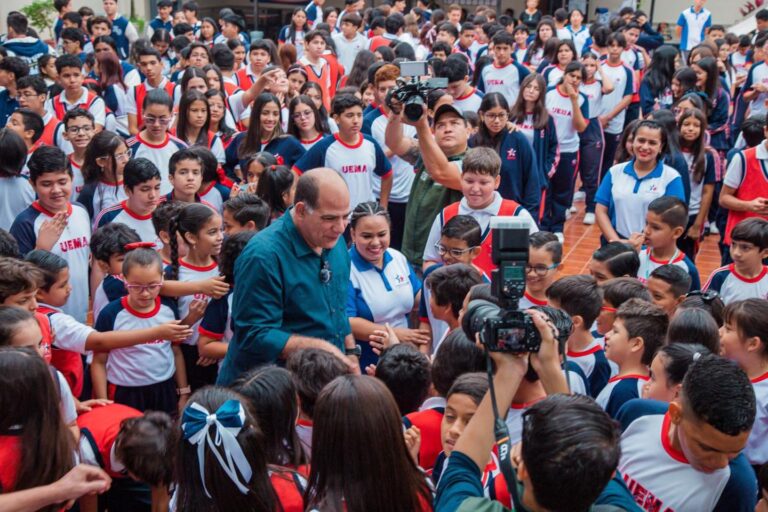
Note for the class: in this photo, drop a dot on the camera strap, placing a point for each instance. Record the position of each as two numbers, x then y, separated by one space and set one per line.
503 444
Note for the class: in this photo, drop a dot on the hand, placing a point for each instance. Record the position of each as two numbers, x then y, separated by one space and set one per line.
758 205
636 240
206 361
80 481
604 120
413 336
234 191
268 79
88 405
762 505
214 287
571 91
196 310
382 340
51 230
175 331
370 370
516 455
760 87
511 127
694 232
548 356
413 442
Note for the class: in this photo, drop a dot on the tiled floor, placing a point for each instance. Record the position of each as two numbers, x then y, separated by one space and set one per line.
581 241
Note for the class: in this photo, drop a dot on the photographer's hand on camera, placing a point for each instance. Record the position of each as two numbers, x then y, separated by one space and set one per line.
546 361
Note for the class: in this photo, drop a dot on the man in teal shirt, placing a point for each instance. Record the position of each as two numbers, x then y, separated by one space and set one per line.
291 282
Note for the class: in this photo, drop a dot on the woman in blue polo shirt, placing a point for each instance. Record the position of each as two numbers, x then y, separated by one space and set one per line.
382 285
628 188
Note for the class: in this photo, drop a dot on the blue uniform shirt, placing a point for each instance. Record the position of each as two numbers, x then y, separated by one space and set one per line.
279 293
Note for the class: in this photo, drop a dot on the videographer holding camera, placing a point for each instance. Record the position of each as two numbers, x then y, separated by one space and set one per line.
436 154
569 452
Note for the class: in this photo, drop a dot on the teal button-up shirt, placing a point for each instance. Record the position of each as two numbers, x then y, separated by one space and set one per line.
278 292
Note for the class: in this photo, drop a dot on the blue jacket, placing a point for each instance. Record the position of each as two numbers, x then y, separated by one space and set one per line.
28 49
546 149
718 120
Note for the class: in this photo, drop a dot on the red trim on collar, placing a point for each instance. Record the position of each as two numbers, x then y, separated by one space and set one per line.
592 350
154 146
353 146
37 206
197 269
139 314
671 451
470 93
534 300
630 376
124 206
732 269
760 378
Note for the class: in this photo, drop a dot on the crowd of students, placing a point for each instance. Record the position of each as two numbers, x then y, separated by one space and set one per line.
135 168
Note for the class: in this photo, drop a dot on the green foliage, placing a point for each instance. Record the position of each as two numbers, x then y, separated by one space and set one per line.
41 14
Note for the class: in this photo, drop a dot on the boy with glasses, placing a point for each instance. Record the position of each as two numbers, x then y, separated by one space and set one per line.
545 252
31 93
79 128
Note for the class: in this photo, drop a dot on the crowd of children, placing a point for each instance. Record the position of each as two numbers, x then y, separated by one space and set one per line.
136 168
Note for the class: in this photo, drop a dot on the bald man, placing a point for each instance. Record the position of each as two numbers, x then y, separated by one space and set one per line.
292 281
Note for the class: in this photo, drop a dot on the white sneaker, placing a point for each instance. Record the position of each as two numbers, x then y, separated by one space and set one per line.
568 214
589 219
579 196
573 209
560 237
713 229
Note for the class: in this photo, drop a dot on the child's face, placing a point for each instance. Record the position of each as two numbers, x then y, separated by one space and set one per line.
160 46
368 95
23 300
457 89
164 12
617 343
676 88
187 178
502 53
110 7
53 190
316 47
79 132
151 66
599 270
100 29
212 79
734 346
304 117
632 36
114 266
606 317
143 284
747 255
156 120
197 113
520 39
690 129
615 50
658 386
564 55
658 234
239 53
456 250
540 262
231 225
71 79
478 189
350 121
715 34
466 37
545 33
269 118
662 295
50 69
296 81
28 334
29 98
210 237
459 409
439 54
590 65
70 46
446 37
198 84
180 17
348 29
254 172
143 197
59 292
198 57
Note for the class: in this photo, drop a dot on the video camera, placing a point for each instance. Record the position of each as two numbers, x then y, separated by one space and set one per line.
503 328
412 94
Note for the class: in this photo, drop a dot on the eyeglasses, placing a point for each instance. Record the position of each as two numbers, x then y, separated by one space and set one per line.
153 287
27 95
540 270
301 115
74 130
122 157
456 253
157 120
492 117
325 272
706 296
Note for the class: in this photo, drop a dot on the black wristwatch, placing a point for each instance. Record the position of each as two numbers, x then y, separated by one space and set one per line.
354 351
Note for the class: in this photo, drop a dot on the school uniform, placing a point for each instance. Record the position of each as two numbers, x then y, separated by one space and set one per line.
8 105
534 58
347 49
158 154
134 99
381 295
197 376
112 287
579 38
286 149
732 286
438 327
99 195
88 100
747 174
29 49
359 164
215 194
16 194
623 86
73 245
217 320
560 195
619 390
633 58
648 264
756 450
116 99
717 120
142 374
693 25
124 33
660 476
123 214
320 73
552 75
428 420
498 207
157 23
504 79
594 364
469 102
591 142
627 197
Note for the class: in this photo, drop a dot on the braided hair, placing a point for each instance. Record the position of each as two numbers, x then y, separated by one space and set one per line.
190 219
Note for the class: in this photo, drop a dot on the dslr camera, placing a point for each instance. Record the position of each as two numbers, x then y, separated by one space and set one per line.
412 94
502 327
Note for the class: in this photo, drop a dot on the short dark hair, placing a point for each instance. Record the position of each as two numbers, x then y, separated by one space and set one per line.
442 46
618 38
157 97
9 247
148 51
15 65
68 61
694 326
394 23
31 121
343 102
455 356
111 239
678 357
145 445
750 318
249 207
474 385
405 371
18 276
231 248
164 213
182 28
74 34
312 369
569 428
190 5
671 209
60 4
223 57
138 171
618 290
49 265
753 230
578 295
752 129
678 279
450 284
647 321
18 22
547 241
718 392
14 153
448 27
463 227
181 155
78 112
620 258
47 159
34 82
454 68
97 20
503 37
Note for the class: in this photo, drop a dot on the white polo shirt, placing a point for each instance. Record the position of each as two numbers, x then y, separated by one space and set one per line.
693 24
505 80
560 107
